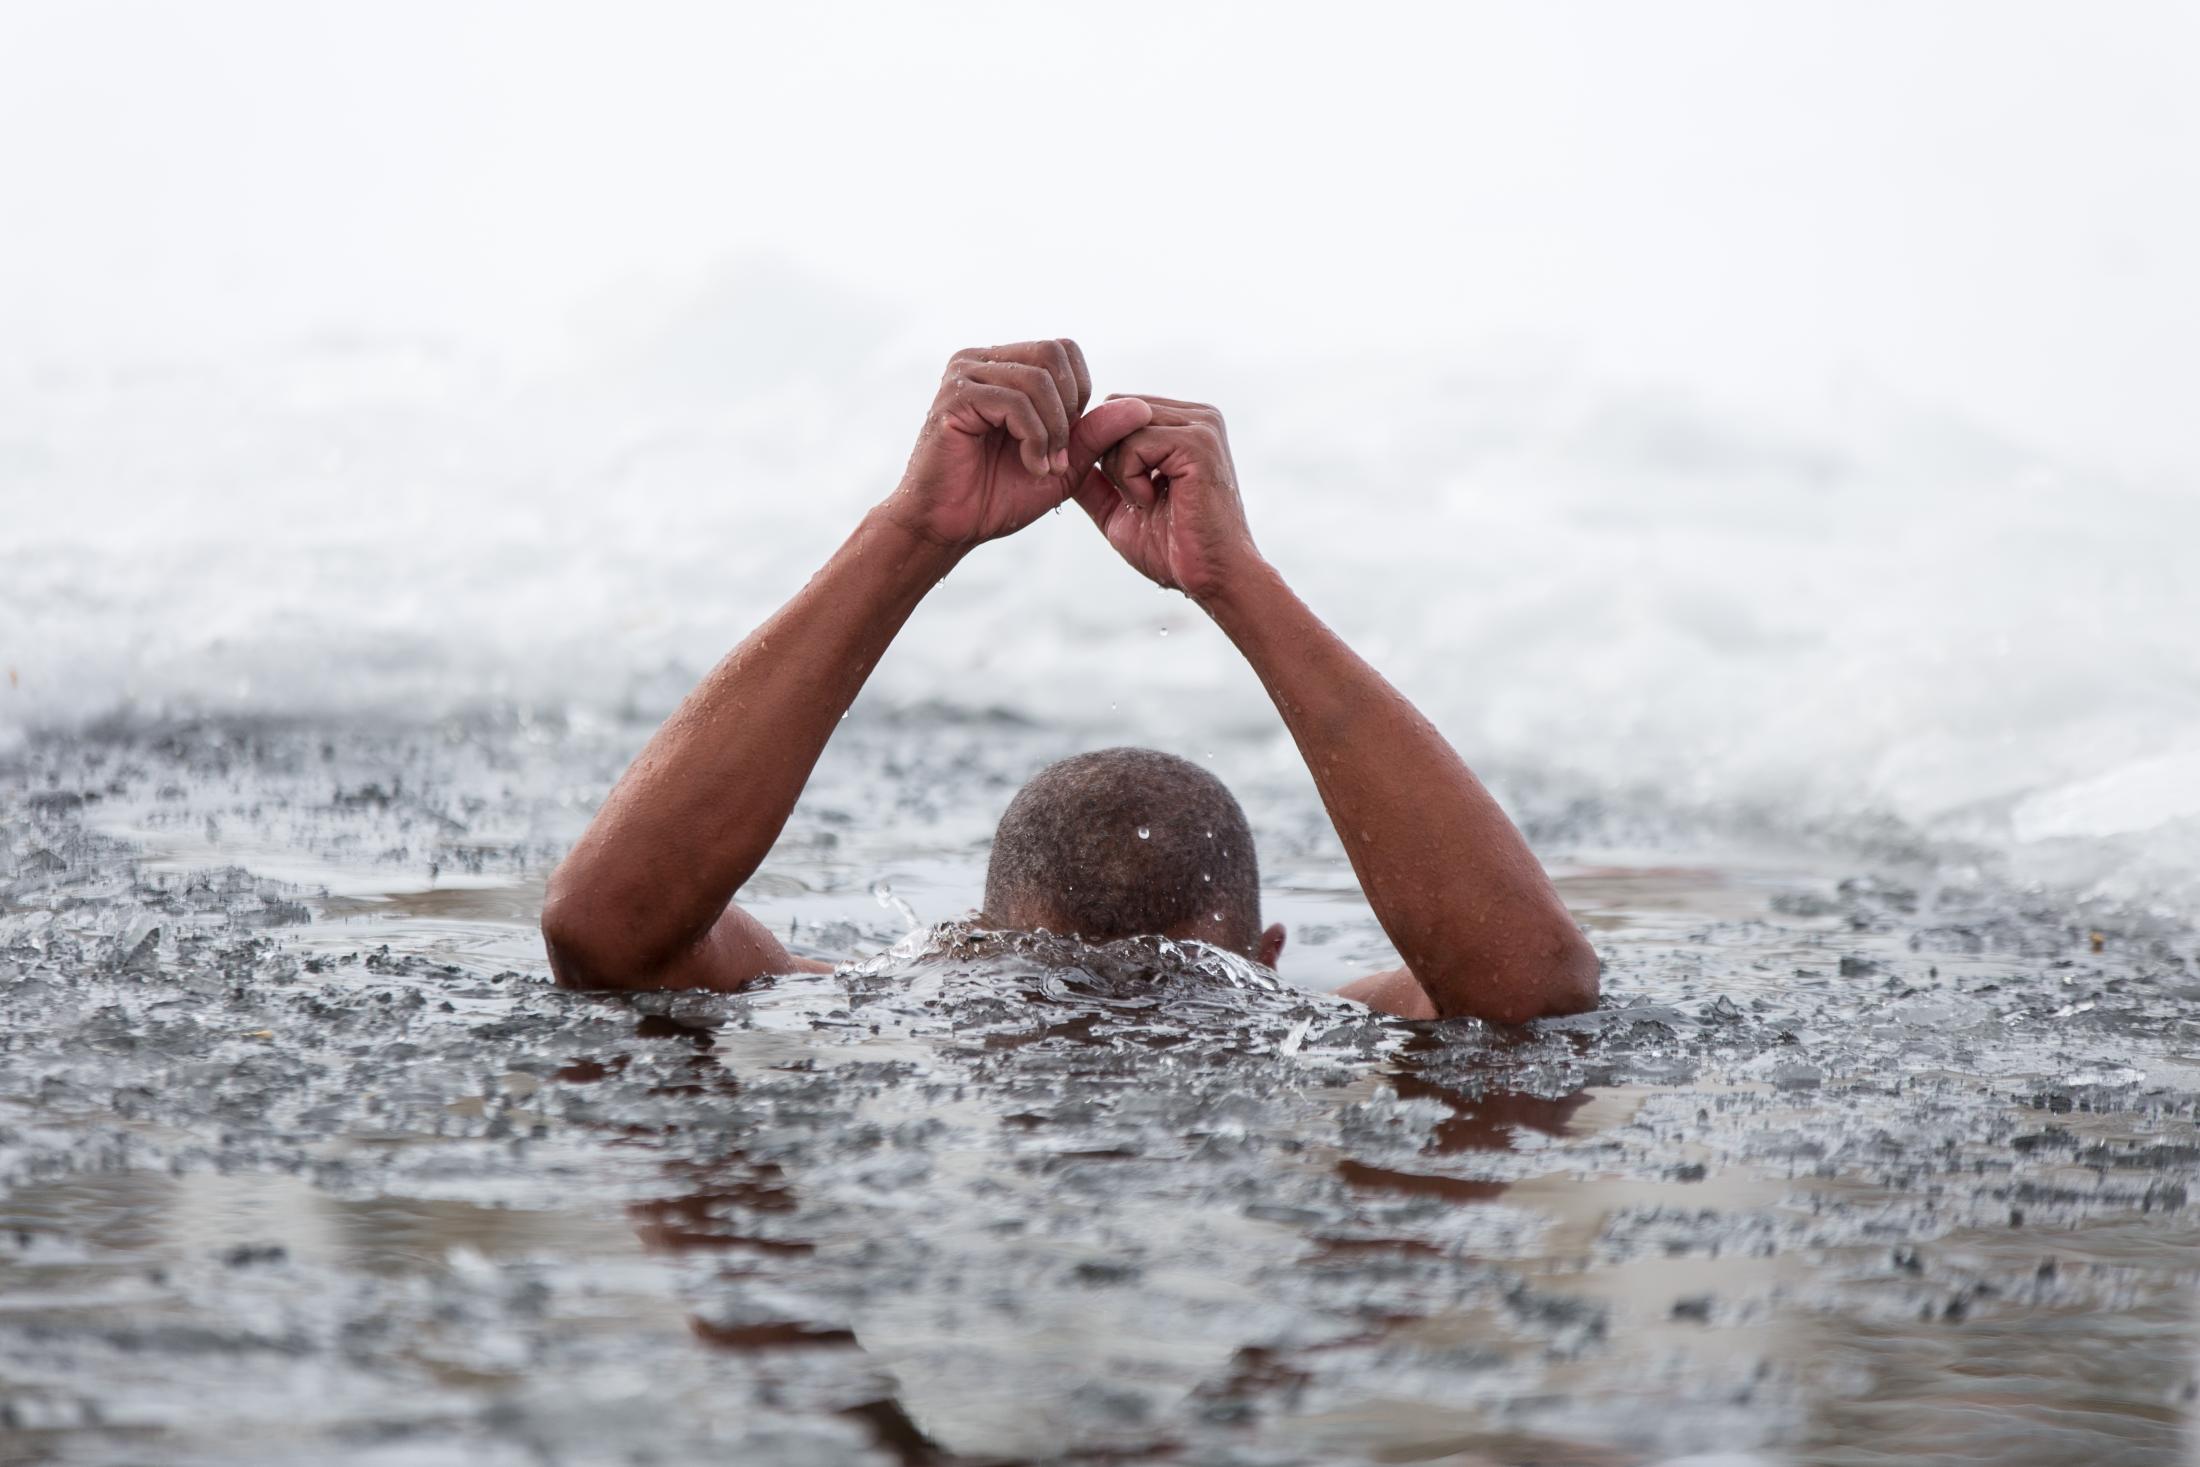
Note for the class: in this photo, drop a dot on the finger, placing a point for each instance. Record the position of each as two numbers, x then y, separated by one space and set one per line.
1185 404
1130 474
1098 498
1012 412
1055 357
1079 372
1131 463
1052 358
1170 412
1104 427
1045 393
1131 486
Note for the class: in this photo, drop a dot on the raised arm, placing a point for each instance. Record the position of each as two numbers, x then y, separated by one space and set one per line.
1458 891
643 900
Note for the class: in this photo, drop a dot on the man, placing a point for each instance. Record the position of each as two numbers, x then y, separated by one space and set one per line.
1105 845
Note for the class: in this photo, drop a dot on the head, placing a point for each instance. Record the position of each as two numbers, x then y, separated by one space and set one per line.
1127 843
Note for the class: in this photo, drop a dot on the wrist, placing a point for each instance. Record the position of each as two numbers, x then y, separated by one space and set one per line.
1236 594
907 510
908 546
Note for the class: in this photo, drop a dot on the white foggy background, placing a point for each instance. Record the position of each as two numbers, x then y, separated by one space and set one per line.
1782 407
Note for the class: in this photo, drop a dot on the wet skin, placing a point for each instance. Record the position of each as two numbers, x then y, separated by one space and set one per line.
645 897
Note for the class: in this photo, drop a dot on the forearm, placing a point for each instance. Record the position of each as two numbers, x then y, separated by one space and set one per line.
1452 882
700 807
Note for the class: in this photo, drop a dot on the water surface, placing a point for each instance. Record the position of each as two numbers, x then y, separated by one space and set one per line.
1867 1157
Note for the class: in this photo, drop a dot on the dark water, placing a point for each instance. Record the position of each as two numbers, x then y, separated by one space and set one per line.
1867 1159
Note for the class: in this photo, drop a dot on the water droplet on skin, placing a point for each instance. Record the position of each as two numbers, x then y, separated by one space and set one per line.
1144 833
1164 631
1204 876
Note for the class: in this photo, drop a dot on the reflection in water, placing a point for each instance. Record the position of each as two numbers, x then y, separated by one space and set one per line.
1491 1120
1013 1369
262 1218
1141 1290
782 1334
1417 1184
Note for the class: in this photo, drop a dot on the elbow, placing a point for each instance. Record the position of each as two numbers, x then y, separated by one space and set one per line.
1563 977
1556 976
1576 976
565 943
582 953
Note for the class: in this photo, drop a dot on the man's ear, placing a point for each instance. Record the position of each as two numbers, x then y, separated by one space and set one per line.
1271 945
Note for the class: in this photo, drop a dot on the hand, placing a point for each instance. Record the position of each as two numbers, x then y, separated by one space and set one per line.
1166 497
1007 438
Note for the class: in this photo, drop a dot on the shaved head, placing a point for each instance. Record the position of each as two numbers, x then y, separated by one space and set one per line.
1126 843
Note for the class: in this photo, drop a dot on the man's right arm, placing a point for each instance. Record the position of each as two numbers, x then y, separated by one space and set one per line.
644 898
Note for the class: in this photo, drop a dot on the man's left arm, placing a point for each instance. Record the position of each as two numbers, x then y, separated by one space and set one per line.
1455 887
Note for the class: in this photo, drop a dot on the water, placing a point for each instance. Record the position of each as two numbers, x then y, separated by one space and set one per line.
1870 1155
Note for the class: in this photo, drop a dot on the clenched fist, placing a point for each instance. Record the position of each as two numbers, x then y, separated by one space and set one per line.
1166 497
1007 440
